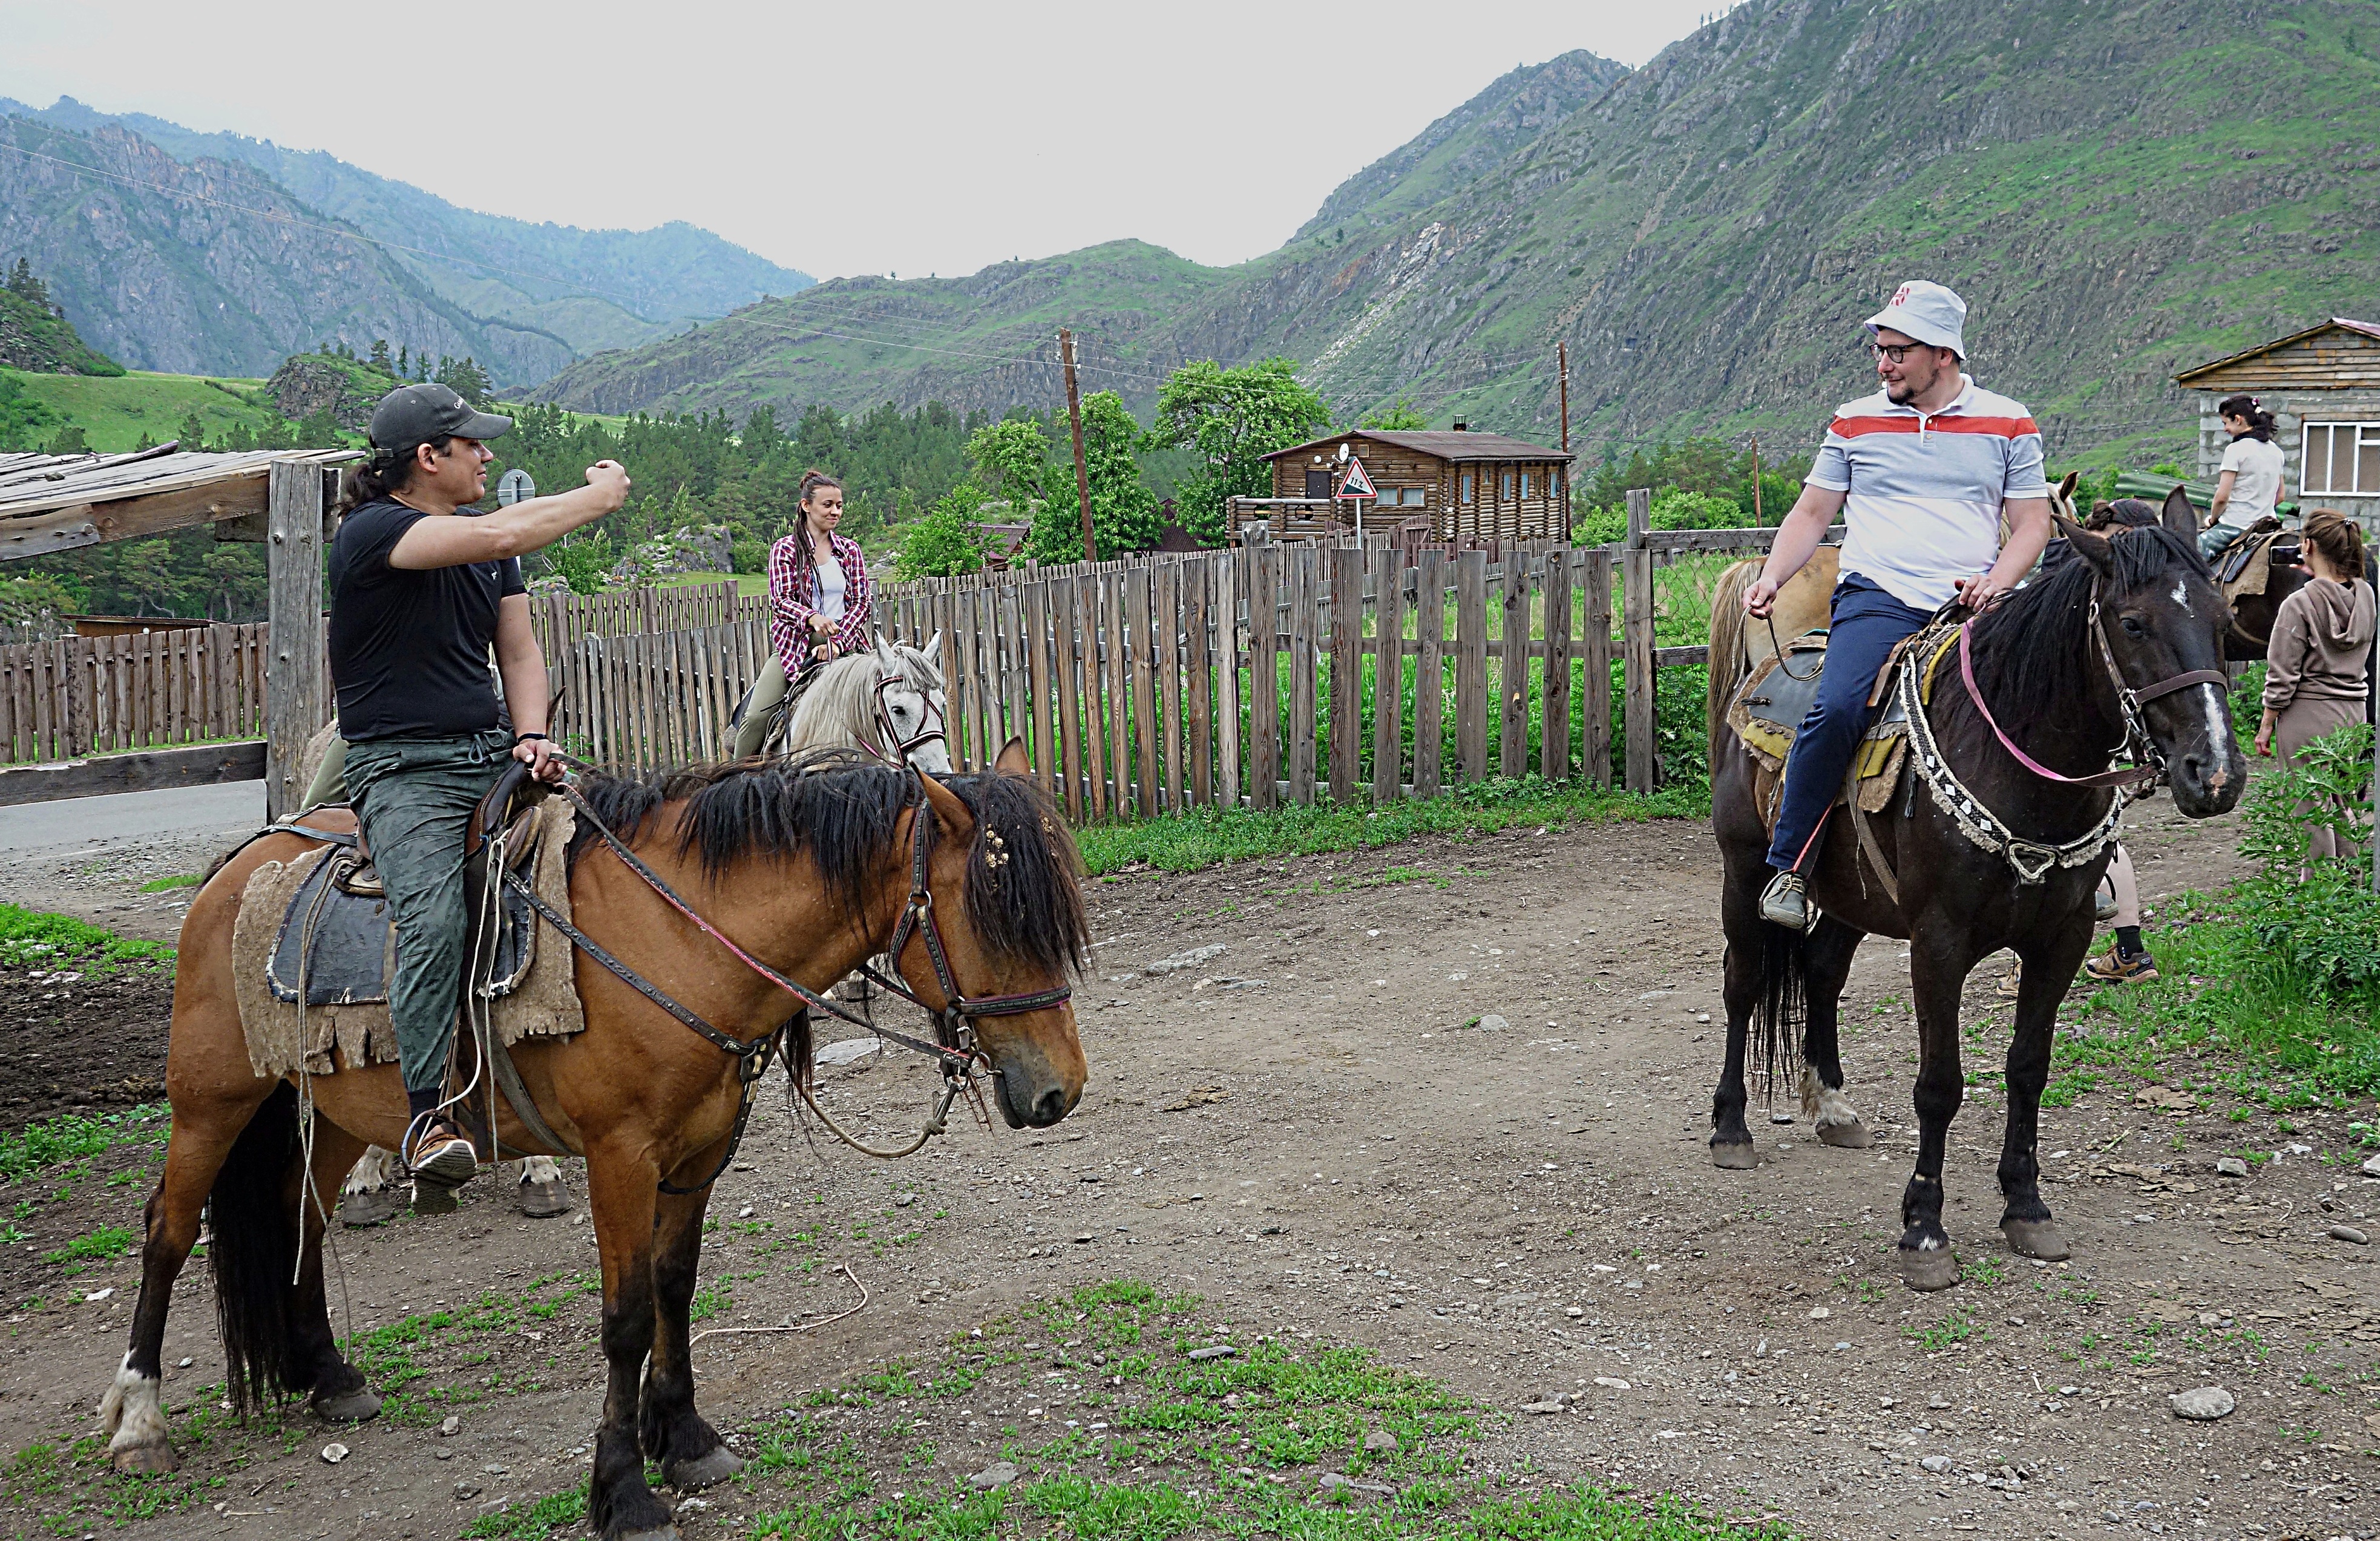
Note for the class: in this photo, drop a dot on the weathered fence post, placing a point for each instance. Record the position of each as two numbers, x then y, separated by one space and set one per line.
295 695
1637 642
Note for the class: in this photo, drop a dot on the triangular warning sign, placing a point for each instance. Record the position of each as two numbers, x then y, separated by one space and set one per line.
1357 484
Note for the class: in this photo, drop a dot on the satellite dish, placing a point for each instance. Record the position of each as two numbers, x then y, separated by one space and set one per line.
513 486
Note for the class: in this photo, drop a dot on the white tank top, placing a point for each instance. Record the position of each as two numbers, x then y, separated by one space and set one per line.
831 585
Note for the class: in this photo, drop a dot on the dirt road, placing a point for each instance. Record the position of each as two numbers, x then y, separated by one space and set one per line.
1318 1128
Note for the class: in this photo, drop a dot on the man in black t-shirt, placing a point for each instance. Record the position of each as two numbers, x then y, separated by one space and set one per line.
422 589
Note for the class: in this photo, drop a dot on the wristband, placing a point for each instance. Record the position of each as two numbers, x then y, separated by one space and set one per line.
520 738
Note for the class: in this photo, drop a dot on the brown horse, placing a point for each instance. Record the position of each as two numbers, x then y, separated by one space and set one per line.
807 864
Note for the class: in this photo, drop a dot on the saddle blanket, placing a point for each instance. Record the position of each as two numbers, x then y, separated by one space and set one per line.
1768 709
316 910
2245 566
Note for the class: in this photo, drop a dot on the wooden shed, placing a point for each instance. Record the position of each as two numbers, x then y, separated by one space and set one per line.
1469 486
2324 385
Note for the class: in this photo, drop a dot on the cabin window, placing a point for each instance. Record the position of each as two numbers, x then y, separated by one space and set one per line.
2340 458
1469 494
1401 497
1506 487
1525 485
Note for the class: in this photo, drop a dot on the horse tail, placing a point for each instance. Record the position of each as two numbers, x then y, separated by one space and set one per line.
253 1250
1726 659
1784 998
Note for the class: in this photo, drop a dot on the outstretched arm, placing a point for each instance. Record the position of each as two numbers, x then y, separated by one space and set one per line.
1797 538
450 540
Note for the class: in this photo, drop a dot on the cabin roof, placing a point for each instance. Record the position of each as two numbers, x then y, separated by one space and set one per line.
1445 446
2367 329
38 483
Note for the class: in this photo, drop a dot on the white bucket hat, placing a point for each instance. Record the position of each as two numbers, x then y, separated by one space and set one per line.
1926 312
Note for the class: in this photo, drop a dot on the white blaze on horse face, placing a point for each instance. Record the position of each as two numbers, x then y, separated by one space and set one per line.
2181 596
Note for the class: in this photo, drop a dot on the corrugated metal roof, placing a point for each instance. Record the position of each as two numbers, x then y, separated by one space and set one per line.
1445 446
2362 328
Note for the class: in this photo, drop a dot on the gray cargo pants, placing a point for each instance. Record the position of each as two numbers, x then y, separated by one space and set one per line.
414 798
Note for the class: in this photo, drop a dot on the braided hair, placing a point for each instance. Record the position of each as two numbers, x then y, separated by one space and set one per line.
811 482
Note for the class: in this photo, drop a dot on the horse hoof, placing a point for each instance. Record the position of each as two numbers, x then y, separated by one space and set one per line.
1846 1137
433 1199
1929 1268
544 1200
148 1456
370 1208
353 1407
703 1471
1739 1156
2036 1239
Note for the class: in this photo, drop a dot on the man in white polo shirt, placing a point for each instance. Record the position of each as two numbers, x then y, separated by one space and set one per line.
1922 473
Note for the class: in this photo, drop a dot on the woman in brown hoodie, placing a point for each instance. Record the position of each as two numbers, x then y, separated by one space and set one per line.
2318 667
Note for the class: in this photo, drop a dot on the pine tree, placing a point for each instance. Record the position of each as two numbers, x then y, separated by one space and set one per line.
380 354
404 370
192 435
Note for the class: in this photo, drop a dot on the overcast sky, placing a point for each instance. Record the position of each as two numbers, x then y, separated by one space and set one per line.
851 138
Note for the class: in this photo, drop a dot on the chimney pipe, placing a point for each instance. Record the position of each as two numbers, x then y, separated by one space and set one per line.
1462 426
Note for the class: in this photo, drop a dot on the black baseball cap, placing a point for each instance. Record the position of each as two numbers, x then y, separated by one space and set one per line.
411 416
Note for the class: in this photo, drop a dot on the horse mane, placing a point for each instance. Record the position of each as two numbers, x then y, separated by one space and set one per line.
843 810
2033 648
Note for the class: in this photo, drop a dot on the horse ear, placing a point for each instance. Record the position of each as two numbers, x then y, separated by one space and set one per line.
947 808
2062 497
885 655
1011 761
2179 514
933 650
2093 549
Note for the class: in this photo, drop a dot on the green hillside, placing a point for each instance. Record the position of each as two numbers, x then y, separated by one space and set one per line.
115 414
2118 189
33 335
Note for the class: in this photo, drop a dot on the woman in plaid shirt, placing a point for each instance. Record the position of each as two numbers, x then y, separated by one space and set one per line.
819 598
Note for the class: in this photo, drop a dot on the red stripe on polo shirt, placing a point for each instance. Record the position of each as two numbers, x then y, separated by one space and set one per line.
2006 428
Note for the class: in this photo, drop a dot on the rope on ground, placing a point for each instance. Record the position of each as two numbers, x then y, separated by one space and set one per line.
842 1268
933 1126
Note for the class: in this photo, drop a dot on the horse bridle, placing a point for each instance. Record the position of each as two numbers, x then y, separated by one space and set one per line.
954 1050
931 723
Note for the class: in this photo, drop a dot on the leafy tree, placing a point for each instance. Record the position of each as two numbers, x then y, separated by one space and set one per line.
949 540
67 440
1398 417
1233 418
1125 515
581 560
21 416
1012 458
32 595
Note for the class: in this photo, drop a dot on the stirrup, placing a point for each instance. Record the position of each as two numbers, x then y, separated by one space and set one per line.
450 1160
1786 901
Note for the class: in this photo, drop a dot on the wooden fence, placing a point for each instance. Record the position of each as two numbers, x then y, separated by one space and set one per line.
76 696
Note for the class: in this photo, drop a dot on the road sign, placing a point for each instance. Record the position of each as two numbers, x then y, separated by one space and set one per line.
514 486
1357 484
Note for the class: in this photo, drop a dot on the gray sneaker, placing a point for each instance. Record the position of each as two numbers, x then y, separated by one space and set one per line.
1786 901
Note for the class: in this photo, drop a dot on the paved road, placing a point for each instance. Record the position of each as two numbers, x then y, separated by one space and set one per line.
131 815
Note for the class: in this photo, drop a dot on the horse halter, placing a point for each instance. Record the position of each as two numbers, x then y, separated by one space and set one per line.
931 723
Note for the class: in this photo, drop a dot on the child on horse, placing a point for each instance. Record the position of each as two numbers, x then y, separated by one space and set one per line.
422 587
1924 472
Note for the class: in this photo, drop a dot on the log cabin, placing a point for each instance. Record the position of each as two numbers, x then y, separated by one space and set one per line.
1468 486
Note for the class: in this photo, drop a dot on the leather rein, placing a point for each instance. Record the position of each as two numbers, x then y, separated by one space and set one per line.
955 1050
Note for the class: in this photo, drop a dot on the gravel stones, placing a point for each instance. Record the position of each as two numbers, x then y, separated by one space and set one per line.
2371 1166
2231 1166
333 1453
1000 1474
1213 1351
1937 1463
2205 1404
1491 1022
1183 960
2349 1233
1380 1439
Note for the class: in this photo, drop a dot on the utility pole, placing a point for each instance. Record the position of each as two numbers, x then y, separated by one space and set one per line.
1562 352
1759 521
1075 415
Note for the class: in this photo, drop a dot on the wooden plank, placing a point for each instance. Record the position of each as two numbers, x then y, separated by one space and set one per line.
1140 625
1118 665
1388 675
1090 691
1065 635
1267 572
1038 680
141 770
1553 734
1513 670
1165 638
297 702
1198 664
1346 580
1015 693
1471 665
966 706
1595 654
1429 674
1748 541
1305 593
1680 658
1223 573
1636 644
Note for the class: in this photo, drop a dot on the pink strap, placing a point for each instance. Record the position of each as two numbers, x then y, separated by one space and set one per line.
1967 673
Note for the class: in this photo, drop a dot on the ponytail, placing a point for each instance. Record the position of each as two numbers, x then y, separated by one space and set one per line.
2261 423
2339 537
380 474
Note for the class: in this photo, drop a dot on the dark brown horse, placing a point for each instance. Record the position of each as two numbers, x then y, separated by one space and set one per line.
2252 614
808 867
2139 603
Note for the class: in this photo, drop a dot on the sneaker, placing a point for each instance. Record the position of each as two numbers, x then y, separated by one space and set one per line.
437 1152
1786 901
2011 983
2113 968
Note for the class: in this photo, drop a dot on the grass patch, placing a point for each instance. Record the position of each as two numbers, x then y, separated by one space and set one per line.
1206 837
561 1511
471 1336
31 939
167 885
104 1244
73 1137
1118 1435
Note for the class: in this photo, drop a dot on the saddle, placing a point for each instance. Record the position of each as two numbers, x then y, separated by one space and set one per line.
2245 566
1768 712
337 937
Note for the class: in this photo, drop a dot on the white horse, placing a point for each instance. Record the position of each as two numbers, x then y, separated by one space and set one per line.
887 702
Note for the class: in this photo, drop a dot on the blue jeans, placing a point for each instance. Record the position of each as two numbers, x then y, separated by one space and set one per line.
2216 539
414 798
1868 624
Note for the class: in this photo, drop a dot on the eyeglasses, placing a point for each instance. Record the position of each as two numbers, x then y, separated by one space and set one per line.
1897 352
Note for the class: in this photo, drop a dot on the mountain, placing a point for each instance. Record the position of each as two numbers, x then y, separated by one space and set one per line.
534 294
35 337
2118 189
